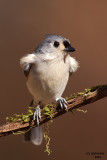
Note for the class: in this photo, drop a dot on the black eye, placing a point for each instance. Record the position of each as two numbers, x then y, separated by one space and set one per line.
56 44
66 44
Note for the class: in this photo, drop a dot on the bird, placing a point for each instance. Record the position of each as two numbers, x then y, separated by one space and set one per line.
47 72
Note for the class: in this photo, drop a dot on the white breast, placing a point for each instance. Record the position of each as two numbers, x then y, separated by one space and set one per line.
47 81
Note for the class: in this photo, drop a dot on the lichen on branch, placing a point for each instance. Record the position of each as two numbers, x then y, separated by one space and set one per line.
24 121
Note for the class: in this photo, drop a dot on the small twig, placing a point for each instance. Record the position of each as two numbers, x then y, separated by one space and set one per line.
80 100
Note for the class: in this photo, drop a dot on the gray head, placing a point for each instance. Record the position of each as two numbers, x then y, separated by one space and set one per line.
54 44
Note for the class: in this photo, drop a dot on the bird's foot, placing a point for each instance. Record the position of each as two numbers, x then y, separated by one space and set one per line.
37 114
62 102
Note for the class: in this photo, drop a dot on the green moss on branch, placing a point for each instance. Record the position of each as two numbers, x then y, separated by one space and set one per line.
50 109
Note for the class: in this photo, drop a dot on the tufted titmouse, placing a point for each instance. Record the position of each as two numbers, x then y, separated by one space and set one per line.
47 70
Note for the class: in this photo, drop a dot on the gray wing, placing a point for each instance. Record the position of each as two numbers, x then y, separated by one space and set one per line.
27 69
70 71
73 65
27 62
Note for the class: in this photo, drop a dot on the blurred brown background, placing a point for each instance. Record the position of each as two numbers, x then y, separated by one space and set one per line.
23 25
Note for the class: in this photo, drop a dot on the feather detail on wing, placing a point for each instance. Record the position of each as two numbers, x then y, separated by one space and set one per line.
26 63
73 65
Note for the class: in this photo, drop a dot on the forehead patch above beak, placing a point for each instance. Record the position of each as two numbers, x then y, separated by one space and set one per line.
66 44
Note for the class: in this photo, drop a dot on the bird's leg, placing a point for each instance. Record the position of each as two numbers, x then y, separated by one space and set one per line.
62 102
37 114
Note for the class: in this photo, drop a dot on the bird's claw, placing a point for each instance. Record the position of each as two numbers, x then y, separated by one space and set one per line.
62 102
37 114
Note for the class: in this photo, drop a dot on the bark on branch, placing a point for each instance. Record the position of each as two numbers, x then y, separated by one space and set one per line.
81 99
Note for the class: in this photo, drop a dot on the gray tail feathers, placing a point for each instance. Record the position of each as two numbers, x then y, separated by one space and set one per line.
36 135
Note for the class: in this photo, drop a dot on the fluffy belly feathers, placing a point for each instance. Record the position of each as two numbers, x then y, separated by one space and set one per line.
48 83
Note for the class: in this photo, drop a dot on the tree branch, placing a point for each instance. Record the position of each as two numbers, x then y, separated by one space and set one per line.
74 102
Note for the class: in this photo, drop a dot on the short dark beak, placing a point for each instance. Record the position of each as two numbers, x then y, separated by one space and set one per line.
70 49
